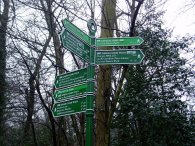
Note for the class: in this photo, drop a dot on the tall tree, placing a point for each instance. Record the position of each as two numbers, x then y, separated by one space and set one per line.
104 76
30 43
4 15
105 104
150 110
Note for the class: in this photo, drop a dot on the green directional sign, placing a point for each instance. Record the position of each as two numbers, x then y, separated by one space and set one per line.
70 93
69 107
71 78
76 31
133 56
124 41
75 45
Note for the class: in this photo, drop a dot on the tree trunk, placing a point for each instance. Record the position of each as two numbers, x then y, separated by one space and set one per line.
82 128
3 29
30 99
104 77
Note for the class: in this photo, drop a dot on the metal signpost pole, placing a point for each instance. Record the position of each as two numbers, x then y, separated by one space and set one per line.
90 85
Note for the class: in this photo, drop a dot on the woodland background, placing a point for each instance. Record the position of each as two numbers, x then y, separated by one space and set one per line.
149 104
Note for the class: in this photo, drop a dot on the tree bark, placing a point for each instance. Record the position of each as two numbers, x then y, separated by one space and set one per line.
3 28
104 77
28 128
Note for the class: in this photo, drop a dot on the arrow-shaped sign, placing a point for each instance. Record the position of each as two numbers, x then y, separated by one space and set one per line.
69 107
70 93
71 78
75 45
76 31
123 41
133 56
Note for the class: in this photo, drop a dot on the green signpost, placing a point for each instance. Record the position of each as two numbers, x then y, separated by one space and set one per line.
75 90
70 93
125 41
69 107
71 78
133 56
76 31
75 45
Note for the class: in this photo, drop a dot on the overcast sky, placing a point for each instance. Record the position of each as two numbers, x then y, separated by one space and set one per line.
180 16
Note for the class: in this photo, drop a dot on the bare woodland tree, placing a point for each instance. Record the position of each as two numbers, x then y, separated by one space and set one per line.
32 61
4 17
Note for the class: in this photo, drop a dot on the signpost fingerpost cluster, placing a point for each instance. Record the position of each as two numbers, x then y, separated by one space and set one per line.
74 91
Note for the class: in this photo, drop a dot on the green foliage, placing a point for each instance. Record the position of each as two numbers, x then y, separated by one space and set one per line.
14 136
44 136
150 111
